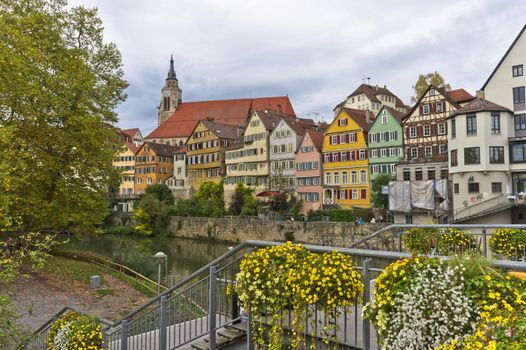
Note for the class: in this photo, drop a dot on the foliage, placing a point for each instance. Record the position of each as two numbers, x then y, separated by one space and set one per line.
463 303
119 230
423 83
161 192
279 203
75 331
379 200
510 243
282 277
243 202
59 87
151 216
295 209
31 250
433 241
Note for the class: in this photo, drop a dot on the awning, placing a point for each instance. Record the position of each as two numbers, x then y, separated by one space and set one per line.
268 193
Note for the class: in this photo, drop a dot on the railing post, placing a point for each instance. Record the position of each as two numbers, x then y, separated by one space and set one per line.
366 328
104 337
250 343
124 334
484 243
399 241
212 308
163 322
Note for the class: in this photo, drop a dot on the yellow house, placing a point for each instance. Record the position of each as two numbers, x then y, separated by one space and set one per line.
345 160
205 151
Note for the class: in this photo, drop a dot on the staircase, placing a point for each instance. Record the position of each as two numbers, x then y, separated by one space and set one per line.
486 207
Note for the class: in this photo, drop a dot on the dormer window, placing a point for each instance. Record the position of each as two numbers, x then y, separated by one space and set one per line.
431 92
342 122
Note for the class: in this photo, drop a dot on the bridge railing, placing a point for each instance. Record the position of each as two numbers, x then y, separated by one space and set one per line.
201 304
391 238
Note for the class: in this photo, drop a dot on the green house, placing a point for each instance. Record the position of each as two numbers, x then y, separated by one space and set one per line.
385 142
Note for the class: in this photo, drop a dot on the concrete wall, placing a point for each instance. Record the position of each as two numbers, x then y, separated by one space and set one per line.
240 230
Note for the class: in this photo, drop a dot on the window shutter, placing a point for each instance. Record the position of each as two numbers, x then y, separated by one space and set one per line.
432 107
406 132
347 138
435 150
433 129
366 154
363 193
419 131
337 194
420 110
349 155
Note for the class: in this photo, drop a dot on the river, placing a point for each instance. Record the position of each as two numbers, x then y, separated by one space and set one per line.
184 255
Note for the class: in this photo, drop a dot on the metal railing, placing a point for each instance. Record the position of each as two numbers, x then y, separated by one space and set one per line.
480 208
200 305
391 238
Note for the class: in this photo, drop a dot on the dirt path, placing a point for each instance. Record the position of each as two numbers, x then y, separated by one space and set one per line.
45 294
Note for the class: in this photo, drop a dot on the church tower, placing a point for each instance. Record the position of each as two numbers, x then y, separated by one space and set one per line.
170 95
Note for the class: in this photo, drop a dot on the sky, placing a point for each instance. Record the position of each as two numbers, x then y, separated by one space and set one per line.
316 52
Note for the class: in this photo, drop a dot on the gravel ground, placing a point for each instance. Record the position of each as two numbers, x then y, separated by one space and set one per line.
45 294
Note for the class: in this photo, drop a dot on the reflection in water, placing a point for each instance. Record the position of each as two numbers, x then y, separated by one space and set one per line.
184 255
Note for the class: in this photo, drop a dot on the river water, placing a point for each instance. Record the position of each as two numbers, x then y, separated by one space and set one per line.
184 255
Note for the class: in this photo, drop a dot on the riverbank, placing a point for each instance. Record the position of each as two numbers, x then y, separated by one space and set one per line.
65 282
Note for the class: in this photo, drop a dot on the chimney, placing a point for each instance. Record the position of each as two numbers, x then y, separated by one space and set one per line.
385 86
480 94
280 110
376 87
368 116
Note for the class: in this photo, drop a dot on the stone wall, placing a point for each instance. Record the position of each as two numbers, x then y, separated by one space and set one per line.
239 230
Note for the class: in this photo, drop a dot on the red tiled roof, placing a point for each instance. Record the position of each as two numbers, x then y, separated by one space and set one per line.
132 147
359 116
131 132
317 139
479 105
232 112
180 149
372 91
460 95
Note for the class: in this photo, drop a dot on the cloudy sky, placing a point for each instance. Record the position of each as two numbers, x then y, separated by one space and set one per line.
315 51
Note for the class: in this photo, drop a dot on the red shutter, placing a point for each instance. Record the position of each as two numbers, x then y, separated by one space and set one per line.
420 109
366 154
330 158
420 152
348 193
419 131
330 140
349 155
363 194
433 129
337 194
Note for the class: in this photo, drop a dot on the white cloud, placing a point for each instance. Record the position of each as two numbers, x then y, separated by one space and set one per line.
317 51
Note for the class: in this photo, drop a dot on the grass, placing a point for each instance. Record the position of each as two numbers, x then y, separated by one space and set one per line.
81 271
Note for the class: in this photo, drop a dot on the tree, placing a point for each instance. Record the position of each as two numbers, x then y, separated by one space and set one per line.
151 216
379 200
423 83
59 87
161 192
243 202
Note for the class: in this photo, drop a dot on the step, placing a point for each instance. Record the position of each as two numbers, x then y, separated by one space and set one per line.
242 327
205 343
232 334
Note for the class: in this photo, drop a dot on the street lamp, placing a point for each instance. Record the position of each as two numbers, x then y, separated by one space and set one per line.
159 259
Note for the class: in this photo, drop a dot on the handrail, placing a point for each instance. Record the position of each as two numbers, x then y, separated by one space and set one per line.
460 210
63 311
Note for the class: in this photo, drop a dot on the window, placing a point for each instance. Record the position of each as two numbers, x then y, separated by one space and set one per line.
496 187
327 178
383 152
343 139
444 173
427 130
518 98
425 109
439 107
362 154
456 188
392 135
442 149
518 152
454 157
354 194
149 181
473 187
414 152
336 178
354 177
418 174
412 132
393 152
520 122
471 155
431 174
441 128
343 156
496 154
374 169
345 178
407 174
471 124
342 122
453 128
363 176
495 123
139 181
428 151
352 138
334 140
374 153
517 70
384 119
431 92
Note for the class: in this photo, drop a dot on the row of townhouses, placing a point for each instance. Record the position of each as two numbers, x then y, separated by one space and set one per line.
453 156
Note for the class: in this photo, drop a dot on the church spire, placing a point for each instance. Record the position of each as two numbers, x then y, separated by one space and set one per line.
171 72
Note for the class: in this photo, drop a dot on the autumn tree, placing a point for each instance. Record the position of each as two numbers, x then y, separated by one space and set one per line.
60 84
379 200
423 82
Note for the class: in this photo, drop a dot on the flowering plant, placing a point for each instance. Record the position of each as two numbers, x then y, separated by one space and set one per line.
290 277
75 331
443 242
510 243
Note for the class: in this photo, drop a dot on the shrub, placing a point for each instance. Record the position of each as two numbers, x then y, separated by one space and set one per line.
433 241
119 230
75 331
509 243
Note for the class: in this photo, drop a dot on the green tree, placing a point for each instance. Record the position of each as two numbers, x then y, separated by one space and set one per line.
423 82
59 87
161 192
379 200
243 202
152 215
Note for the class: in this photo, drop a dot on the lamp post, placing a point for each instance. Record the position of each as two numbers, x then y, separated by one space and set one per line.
159 259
